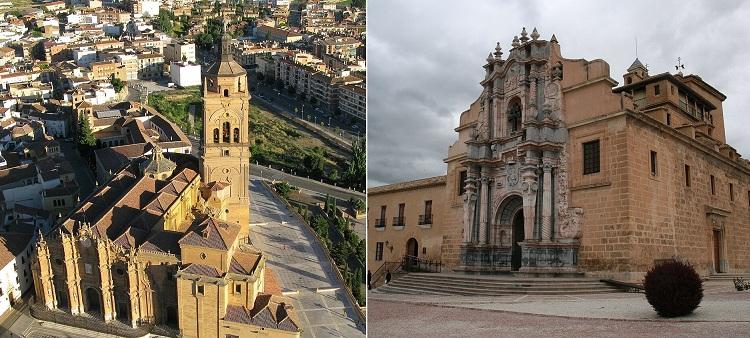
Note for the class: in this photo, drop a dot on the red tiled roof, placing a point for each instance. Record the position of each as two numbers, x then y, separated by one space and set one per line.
268 311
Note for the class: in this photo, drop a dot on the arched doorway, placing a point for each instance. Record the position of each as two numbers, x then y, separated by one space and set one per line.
172 320
509 224
412 247
518 236
93 303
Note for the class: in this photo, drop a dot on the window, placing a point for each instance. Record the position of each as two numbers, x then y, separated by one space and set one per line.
629 80
514 117
591 157
231 336
379 251
669 119
713 185
424 250
237 288
226 92
88 268
731 192
226 152
687 175
657 90
236 135
201 290
653 163
216 135
225 132
462 175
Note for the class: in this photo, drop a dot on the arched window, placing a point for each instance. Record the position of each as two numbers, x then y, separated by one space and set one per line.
239 84
225 132
236 135
216 135
514 116
226 92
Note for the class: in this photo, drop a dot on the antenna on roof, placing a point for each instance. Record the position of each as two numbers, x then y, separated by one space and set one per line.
636 46
679 65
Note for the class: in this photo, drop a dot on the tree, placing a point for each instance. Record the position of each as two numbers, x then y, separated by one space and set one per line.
117 83
86 139
314 164
164 21
356 168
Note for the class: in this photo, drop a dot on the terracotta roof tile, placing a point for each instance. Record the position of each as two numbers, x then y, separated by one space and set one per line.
268 311
202 270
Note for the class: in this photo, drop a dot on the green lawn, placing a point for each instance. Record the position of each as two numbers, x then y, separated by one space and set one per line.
174 104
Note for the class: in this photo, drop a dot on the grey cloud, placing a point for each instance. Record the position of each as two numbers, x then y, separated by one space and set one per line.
425 62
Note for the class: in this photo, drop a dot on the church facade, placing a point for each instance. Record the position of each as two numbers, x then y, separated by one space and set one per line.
163 242
560 170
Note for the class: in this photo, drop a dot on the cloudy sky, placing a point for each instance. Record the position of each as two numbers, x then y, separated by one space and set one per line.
425 62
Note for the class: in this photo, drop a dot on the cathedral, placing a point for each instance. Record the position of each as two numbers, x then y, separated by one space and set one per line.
163 243
560 170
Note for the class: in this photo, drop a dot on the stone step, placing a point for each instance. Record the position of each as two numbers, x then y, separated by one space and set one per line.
492 285
729 276
500 289
504 282
421 289
505 286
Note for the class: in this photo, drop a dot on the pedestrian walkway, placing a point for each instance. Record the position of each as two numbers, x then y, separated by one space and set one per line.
721 303
301 268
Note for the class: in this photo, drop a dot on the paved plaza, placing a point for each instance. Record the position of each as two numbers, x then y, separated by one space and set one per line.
724 312
300 266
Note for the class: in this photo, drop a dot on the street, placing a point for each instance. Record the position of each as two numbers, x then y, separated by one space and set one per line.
350 127
302 268
83 173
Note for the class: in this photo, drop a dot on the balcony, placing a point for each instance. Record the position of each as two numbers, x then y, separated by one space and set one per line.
379 224
425 221
398 223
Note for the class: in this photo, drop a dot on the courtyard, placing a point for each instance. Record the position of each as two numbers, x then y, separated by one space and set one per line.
724 312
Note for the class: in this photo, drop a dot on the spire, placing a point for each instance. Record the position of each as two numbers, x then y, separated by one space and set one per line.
490 58
524 35
498 51
515 42
225 53
534 34
636 64
553 39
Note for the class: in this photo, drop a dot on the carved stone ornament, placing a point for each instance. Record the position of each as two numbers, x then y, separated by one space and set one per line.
513 176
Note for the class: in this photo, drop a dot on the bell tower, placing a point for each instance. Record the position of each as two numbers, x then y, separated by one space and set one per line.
225 151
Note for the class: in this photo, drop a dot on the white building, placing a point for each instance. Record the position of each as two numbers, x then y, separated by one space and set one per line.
15 259
185 74
179 51
149 7
84 56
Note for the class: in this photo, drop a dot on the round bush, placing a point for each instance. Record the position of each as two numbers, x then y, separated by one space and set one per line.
673 288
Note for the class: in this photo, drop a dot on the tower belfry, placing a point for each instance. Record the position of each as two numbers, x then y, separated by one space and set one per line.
225 155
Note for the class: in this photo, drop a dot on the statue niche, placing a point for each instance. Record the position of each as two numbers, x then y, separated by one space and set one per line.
513 116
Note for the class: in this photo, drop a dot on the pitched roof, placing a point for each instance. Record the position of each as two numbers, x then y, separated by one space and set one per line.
202 270
211 233
12 245
268 311
244 263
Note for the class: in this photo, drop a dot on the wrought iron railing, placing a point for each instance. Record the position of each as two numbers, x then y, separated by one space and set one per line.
380 223
398 221
416 264
425 219
379 277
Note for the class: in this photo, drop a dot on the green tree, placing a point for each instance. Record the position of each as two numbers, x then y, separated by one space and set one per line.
164 22
314 164
117 83
356 168
86 140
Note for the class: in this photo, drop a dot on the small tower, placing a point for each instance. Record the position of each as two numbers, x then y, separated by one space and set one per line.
225 154
636 73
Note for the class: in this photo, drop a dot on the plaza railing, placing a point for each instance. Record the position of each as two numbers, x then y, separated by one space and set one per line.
416 264
425 219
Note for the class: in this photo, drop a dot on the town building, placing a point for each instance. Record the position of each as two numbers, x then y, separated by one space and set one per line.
185 74
560 170
162 246
179 51
15 267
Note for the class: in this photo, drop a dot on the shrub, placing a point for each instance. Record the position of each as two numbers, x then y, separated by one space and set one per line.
673 288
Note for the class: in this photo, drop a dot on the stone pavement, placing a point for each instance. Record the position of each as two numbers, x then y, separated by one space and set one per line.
301 266
723 312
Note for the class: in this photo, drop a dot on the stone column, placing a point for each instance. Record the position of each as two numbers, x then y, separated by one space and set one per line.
45 288
484 198
72 274
529 188
133 291
547 202
105 273
470 201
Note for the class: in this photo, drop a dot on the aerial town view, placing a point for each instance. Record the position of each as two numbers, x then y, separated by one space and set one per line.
580 178
179 168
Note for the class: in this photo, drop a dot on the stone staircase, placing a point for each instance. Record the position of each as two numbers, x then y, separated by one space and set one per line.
727 277
483 285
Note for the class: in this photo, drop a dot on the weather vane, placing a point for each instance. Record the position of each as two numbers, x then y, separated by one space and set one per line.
679 64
